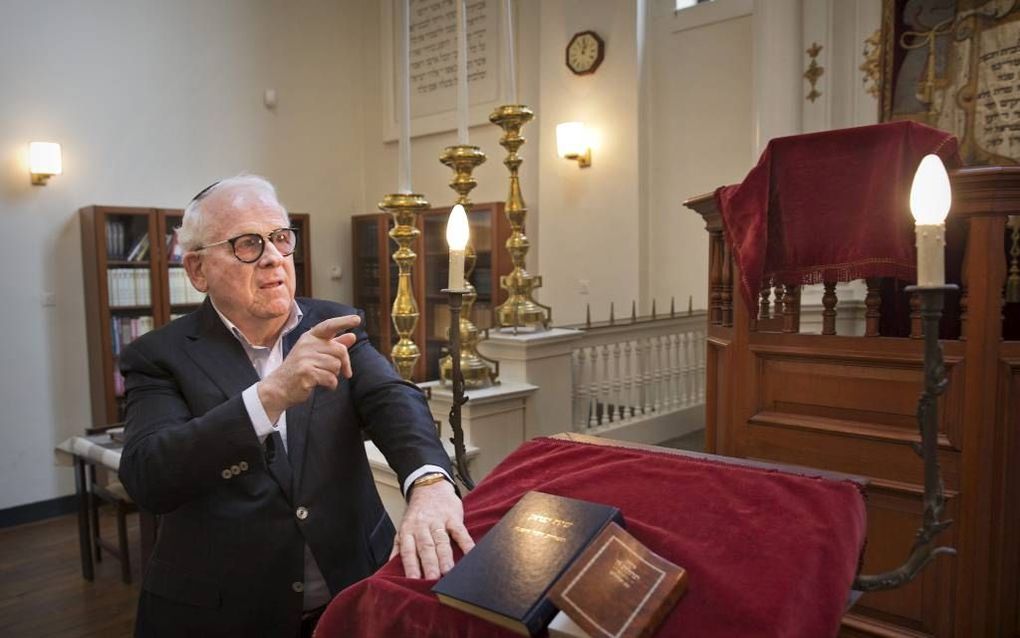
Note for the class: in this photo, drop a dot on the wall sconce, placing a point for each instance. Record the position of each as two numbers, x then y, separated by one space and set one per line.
44 161
572 142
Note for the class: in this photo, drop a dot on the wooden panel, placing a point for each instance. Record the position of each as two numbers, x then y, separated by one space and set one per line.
871 395
894 516
1009 402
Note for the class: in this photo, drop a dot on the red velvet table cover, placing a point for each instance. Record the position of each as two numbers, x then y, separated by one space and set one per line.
767 553
831 206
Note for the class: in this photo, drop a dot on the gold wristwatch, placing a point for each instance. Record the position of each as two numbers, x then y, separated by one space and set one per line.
428 479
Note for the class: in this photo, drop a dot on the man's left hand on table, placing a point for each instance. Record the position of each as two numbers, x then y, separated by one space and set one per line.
434 520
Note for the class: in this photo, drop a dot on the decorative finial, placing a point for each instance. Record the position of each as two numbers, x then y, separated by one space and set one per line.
633 311
587 316
653 308
612 314
690 305
672 307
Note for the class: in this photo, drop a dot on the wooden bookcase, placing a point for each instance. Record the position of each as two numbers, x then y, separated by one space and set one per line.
133 284
375 277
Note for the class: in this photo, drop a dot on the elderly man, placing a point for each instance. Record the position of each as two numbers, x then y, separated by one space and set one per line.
245 423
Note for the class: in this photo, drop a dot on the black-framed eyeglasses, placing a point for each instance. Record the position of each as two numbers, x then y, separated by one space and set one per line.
249 247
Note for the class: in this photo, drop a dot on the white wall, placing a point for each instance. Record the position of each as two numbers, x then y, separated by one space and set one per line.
151 101
590 224
701 135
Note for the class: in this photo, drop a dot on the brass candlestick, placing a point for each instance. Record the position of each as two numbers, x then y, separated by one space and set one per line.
520 309
463 159
404 208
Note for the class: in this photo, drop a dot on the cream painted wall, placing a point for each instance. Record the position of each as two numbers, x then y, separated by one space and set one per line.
152 101
590 226
701 136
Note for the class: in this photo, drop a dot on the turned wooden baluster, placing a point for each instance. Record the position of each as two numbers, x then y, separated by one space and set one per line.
829 313
765 304
790 319
873 303
777 305
715 245
727 286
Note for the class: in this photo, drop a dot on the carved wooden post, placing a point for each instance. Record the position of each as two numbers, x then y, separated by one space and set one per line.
790 319
873 302
964 286
829 314
764 305
715 244
727 286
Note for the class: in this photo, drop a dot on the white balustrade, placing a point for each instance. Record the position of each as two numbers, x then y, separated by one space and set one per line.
636 371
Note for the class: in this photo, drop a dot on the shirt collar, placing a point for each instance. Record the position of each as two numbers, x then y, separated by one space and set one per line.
292 322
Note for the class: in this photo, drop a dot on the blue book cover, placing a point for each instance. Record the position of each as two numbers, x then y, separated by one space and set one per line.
506 578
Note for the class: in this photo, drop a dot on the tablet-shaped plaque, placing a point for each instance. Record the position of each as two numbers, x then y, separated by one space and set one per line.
618 588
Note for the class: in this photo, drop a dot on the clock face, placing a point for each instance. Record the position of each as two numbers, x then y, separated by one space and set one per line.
585 52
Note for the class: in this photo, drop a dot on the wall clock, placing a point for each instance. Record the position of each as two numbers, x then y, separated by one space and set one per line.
585 52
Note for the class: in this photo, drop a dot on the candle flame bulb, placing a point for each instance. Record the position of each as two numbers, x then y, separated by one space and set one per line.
457 229
930 194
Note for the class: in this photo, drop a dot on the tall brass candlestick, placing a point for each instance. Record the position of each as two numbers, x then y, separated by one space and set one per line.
463 159
520 309
404 208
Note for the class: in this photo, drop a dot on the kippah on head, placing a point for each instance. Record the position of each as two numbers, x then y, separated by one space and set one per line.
191 232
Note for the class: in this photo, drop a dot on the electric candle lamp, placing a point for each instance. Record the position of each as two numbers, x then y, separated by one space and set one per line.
930 198
457 238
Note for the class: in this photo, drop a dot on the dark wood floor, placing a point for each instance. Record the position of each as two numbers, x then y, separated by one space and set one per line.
42 592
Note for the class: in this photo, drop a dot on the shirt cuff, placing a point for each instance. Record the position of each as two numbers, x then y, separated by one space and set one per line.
259 419
424 469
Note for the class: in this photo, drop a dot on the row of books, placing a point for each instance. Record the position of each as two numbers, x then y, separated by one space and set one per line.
127 329
181 290
128 287
121 246
174 251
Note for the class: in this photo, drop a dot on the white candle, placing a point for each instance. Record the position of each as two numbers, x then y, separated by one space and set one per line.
511 61
404 101
462 77
930 199
457 231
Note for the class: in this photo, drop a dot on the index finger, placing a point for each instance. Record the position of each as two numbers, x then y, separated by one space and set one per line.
331 327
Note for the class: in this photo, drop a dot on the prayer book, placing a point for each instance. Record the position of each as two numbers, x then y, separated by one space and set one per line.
618 588
506 578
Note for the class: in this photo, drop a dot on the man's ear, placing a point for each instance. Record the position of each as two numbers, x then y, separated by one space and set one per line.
193 264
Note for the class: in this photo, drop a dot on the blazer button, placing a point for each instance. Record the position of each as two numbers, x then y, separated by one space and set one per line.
302 513
227 474
244 466
297 586
235 469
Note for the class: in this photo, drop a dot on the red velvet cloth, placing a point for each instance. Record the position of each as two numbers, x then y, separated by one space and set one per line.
767 553
831 206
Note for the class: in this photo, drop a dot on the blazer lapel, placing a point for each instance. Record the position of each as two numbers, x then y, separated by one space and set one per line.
298 416
221 356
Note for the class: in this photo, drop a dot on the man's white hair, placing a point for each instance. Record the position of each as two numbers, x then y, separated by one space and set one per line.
191 232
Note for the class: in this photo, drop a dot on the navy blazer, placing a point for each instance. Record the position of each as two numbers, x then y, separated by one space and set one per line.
229 558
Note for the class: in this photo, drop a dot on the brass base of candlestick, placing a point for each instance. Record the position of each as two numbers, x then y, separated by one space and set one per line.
404 208
520 309
478 372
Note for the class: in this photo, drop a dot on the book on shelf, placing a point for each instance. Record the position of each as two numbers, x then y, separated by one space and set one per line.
114 239
128 287
618 587
140 251
506 578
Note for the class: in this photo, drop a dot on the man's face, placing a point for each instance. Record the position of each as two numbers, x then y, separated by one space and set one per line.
245 293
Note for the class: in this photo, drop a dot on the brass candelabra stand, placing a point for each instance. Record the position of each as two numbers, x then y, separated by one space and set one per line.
404 208
477 371
520 309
